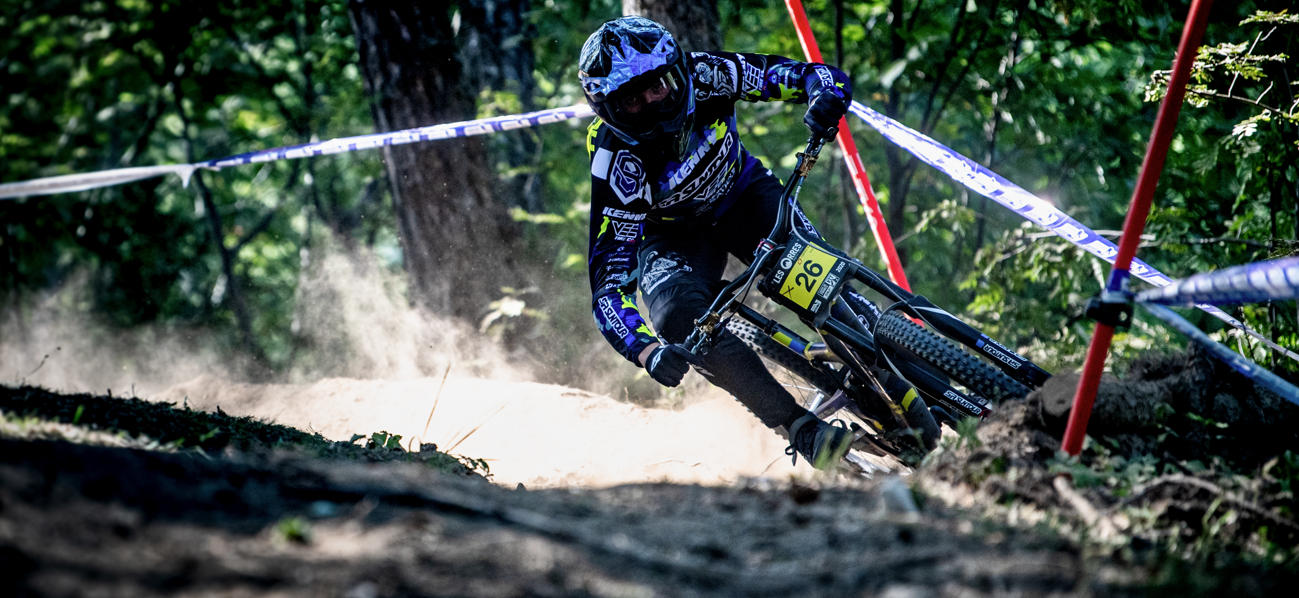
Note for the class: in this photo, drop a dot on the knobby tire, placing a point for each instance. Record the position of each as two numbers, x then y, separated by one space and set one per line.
977 375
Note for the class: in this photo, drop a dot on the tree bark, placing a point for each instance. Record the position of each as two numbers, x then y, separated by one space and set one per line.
496 47
495 42
458 244
899 163
694 23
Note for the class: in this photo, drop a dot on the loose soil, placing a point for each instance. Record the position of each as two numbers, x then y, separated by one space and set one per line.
540 435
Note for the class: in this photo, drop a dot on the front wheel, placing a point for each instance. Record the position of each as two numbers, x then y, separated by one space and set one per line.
805 381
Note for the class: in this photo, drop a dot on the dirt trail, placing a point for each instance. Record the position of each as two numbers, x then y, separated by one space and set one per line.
985 517
95 521
539 435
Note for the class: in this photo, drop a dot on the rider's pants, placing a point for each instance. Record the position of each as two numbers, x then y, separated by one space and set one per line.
681 270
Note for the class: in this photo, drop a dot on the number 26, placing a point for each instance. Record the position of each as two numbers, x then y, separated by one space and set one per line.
809 268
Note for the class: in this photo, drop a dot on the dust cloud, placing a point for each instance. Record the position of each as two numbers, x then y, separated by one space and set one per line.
354 320
366 361
540 435
51 340
351 320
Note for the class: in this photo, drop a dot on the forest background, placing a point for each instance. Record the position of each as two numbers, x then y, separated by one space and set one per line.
487 236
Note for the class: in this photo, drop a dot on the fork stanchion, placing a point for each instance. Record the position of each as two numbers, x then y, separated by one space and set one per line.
1139 209
860 181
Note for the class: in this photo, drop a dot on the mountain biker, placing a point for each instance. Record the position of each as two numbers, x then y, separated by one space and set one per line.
673 191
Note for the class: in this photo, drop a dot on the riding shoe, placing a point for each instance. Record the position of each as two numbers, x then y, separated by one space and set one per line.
821 444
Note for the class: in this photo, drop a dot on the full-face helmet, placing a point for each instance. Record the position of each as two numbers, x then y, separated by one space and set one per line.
637 80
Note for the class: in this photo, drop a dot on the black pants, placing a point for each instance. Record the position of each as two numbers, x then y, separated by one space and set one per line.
681 270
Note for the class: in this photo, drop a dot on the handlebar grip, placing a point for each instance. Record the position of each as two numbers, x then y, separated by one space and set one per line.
692 342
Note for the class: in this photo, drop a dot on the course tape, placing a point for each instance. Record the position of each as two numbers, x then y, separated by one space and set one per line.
1262 281
91 180
470 128
991 185
107 178
961 169
1238 362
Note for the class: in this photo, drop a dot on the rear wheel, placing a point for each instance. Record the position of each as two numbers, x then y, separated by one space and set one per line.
806 382
977 375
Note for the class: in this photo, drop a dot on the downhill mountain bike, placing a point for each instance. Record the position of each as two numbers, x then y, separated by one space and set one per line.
894 373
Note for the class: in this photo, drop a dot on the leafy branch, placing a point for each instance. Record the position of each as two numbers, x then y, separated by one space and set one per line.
1237 60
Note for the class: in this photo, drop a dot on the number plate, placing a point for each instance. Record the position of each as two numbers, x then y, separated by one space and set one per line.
807 279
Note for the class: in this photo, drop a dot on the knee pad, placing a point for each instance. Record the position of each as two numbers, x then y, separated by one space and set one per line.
675 293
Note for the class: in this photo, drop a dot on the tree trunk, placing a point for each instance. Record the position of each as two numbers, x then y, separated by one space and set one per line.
495 41
457 243
496 47
694 23
899 162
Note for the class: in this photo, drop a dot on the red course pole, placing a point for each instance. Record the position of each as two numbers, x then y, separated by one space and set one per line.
1165 123
860 181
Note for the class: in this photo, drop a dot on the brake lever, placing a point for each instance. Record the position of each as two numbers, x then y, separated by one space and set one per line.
813 151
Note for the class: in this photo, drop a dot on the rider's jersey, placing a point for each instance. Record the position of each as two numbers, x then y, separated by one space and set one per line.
631 185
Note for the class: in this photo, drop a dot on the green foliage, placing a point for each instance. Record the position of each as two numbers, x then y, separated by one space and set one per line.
295 530
381 440
967 430
1197 532
112 84
1223 201
1283 470
1048 94
1232 173
1103 467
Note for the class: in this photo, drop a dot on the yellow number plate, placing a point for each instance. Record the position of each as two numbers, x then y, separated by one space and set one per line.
806 276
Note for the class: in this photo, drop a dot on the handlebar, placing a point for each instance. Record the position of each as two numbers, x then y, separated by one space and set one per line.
806 159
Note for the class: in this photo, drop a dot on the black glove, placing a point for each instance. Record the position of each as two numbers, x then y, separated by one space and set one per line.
824 112
669 363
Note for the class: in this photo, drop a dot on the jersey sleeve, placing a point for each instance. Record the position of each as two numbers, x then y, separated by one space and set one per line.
620 200
763 78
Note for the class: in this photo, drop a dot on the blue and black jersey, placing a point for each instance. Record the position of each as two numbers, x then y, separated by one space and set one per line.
632 185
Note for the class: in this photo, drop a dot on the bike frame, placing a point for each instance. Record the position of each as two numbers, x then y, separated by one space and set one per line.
850 343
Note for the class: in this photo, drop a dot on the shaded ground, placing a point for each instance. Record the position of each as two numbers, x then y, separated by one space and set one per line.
80 520
1189 472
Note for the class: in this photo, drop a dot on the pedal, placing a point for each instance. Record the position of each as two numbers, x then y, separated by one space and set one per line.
865 442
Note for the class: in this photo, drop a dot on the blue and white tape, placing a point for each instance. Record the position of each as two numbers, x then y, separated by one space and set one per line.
961 169
1262 281
469 128
108 178
69 183
1251 370
1275 280
991 185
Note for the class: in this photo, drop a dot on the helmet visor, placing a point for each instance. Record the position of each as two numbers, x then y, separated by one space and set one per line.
653 104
